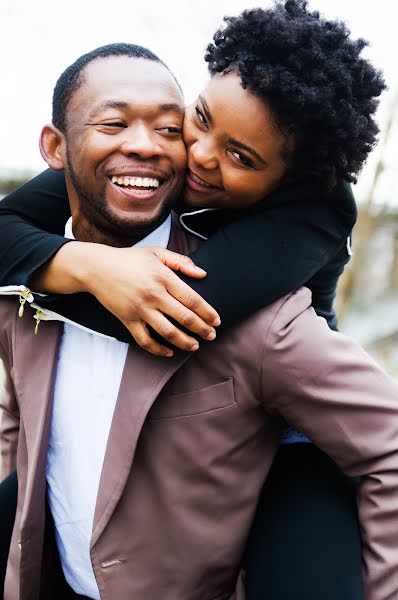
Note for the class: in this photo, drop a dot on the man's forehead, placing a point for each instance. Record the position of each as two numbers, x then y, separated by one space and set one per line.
128 80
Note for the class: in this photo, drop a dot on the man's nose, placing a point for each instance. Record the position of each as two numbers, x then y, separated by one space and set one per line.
141 141
203 154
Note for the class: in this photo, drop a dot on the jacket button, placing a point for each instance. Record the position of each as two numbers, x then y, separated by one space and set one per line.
20 545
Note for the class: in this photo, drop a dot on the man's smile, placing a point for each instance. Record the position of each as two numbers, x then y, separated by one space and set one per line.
138 182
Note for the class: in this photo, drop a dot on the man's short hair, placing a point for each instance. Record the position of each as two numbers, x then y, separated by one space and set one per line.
72 78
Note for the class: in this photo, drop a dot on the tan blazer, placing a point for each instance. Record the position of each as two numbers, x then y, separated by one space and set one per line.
191 442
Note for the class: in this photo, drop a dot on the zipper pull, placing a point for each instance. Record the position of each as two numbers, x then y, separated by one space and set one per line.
23 297
38 317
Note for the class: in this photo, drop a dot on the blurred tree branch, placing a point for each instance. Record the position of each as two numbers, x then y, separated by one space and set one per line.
365 225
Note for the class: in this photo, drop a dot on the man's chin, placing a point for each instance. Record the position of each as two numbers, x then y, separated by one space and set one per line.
127 227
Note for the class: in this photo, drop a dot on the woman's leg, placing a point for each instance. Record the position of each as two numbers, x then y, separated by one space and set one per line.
305 541
8 507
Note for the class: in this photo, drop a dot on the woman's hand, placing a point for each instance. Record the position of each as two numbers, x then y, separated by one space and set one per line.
139 287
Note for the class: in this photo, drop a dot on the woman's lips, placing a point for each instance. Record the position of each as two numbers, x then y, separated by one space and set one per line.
197 184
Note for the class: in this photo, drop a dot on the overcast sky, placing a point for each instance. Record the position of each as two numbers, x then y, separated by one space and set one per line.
38 39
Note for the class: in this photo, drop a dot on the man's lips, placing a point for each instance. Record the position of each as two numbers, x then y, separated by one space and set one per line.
134 187
134 184
200 185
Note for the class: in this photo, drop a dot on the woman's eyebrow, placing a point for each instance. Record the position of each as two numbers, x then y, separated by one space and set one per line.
248 149
206 109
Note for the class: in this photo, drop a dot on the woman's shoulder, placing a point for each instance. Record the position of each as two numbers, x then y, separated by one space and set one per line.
340 197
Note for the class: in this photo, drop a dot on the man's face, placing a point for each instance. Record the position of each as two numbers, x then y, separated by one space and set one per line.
124 155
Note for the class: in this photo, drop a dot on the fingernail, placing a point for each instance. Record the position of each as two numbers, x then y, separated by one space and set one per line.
169 354
211 336
199 270
216 322
194 347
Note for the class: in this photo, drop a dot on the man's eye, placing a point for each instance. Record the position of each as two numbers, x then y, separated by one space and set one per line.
200 117
113 124
177 130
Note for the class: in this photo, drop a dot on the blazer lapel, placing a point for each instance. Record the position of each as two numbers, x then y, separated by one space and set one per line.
143 378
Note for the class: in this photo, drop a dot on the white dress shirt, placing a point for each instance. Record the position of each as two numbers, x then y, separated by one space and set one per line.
87 382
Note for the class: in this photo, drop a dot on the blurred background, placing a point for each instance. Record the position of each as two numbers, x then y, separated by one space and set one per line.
39 39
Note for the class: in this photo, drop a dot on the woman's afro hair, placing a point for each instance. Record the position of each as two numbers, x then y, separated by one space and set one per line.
322 93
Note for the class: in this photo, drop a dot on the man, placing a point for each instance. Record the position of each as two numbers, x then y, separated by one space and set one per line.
150 465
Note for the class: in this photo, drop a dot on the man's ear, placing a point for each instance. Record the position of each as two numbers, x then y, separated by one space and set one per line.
53 147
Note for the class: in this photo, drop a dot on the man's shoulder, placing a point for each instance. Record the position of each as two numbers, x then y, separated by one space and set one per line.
267 327
19 329
8 317
8 312
282 312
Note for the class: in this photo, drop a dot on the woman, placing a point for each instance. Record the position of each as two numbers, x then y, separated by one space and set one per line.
286 119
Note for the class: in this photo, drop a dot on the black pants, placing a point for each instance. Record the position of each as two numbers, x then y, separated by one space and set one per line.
305 541
8 505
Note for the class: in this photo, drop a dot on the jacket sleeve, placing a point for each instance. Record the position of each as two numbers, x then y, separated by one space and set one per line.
9 416
322 383
276 247
32 223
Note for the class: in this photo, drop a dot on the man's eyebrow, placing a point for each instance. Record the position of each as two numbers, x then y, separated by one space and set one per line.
248 149
120 104
172 107
206 109
111 104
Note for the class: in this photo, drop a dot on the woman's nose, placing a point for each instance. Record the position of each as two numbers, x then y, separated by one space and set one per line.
203 155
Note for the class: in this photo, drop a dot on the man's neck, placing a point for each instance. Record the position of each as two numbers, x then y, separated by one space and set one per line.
89 233
159 236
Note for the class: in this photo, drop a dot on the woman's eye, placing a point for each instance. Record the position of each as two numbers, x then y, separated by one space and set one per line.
241 158
200 117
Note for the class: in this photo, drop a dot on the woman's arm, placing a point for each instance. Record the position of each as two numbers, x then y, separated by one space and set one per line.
44 261
270 250
27 218
296 236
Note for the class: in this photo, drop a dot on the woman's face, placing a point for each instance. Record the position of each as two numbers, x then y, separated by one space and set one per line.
235 152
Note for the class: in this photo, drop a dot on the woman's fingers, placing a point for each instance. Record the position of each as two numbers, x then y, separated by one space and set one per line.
166 330
187 297
141 335
185 317
179 262
170 332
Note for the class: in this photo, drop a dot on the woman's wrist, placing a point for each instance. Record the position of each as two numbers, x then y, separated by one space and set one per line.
74 268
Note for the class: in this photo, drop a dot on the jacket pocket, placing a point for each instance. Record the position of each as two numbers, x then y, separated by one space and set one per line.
196 402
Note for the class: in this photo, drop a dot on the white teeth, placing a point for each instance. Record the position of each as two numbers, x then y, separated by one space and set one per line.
145 182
